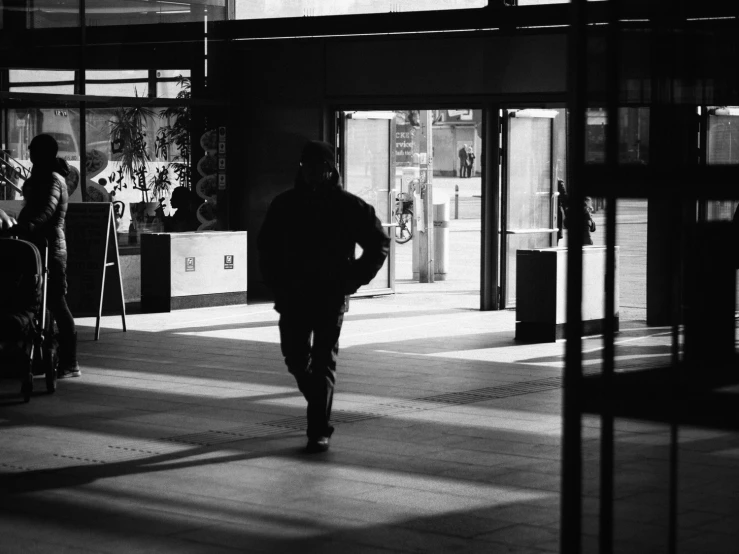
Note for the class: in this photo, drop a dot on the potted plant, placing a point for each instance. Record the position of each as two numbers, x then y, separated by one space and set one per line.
129 148
138 167
177 133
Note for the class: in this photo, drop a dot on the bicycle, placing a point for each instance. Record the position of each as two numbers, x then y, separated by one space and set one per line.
403 218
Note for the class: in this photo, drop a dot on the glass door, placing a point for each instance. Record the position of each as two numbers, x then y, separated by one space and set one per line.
721 148
367 168
528 190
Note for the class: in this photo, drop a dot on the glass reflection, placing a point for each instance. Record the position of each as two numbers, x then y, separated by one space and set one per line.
137 12
48 14
248 9
136 157
21 125
633 141
722 149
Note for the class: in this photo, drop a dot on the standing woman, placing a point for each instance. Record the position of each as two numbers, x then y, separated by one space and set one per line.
470 162
42 217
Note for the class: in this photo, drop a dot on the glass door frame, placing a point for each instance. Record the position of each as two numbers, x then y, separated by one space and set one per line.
389 226
504 232
706 208
490 163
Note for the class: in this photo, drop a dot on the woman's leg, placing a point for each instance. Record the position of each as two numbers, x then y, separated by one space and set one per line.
68 364
56 301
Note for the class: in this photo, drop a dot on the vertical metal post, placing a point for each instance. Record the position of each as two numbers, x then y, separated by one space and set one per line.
426 258
571 506
490 251
607 457
82 90
456 201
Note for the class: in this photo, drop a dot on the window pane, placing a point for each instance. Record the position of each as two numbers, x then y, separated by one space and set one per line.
723 149
367 162
21 125
633 140
248 9
46 14
541 2
41 81
633 145
117 83
134 156
136 12
173 83
530 173
723 136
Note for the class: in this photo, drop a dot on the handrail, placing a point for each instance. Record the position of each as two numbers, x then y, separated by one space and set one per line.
6 160
8 171
4 181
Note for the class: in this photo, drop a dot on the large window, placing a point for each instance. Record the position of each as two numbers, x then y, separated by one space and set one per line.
136 12
142 83
46 14
248 9
131 152
65 13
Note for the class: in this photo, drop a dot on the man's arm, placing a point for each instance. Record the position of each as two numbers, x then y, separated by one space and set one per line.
375 247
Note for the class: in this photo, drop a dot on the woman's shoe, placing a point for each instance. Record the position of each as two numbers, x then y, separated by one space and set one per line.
68 365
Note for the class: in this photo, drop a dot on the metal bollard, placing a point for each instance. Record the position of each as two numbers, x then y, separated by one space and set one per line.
441 236
456 201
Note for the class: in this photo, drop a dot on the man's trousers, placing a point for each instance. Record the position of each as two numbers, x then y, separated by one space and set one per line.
309 339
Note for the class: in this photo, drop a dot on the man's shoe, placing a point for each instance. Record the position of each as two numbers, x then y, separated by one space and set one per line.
68 371
319 444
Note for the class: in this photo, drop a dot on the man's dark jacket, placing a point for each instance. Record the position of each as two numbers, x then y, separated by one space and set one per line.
307 246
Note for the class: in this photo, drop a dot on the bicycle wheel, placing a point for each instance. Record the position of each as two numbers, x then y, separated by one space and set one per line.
404 228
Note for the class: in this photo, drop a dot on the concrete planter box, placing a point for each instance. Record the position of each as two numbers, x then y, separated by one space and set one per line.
541 295
192 270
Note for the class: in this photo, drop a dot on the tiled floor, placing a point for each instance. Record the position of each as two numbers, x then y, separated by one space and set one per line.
185 434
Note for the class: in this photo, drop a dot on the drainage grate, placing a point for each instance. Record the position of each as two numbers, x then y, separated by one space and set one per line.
204 438
408 406
15 467
133 451
250 431
222 436
492 393
351 417
299 423
78 458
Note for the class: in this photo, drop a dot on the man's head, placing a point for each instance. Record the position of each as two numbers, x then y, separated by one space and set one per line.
317 165
43 149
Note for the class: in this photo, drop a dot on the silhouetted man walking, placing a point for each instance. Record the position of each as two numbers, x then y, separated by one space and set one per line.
306 247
